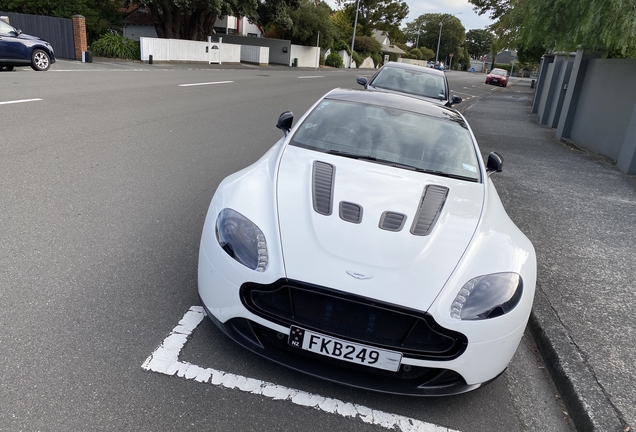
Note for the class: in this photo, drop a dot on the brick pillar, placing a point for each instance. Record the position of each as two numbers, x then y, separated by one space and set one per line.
79 34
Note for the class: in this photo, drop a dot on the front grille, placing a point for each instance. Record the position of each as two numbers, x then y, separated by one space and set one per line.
352 317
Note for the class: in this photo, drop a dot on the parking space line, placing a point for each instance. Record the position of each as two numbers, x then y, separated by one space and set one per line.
165 360
205 83
19 101
311 76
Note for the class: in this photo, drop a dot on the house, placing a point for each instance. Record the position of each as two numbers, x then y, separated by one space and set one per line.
139 24
387 47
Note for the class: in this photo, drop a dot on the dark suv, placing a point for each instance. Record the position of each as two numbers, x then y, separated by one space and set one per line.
19 49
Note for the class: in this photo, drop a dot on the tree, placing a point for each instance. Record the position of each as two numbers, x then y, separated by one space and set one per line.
377 14
565 25
478 42
428 27
309 19
194 19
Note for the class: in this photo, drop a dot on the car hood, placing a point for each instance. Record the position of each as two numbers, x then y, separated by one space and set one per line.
361 258
28 37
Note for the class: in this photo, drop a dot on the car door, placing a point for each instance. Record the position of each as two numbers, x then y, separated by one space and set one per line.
12 48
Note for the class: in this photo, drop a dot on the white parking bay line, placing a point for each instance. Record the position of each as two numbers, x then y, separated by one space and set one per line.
19 101
205 83
311 76
165 360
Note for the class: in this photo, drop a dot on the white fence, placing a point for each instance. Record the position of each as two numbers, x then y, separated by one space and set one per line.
307 56
184 50
255 54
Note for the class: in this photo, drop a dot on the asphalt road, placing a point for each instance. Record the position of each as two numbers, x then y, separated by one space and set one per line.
106 179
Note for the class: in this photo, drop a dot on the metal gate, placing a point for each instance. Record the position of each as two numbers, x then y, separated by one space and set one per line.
57 31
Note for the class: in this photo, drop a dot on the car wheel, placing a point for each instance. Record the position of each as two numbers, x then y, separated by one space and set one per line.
40 60
6 68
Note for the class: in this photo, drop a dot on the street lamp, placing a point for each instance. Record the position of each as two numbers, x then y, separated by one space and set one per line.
440 33
353 39
417 43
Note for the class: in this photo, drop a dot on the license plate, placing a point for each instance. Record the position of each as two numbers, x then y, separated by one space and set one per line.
344 350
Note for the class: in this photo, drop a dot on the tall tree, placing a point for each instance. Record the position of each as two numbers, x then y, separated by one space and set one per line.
453 33
565 24
309 19
478 42
377 14
194 19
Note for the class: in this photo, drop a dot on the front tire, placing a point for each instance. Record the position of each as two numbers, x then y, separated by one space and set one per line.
40 60
6 68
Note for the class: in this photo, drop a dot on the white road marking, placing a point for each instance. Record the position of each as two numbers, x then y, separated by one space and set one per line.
165 360
19 101
206 83
311 76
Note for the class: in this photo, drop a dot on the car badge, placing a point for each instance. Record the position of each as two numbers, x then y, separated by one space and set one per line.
358 275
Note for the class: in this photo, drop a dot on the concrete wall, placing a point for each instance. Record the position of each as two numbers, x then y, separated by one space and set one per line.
279 50
307 56
605 106
591 101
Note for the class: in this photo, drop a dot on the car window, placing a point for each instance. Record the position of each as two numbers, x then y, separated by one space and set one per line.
389 135
5 28
410 81
499 72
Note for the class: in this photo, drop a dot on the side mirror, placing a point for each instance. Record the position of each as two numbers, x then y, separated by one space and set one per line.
495 163
457 99
18 32
285 121
362 81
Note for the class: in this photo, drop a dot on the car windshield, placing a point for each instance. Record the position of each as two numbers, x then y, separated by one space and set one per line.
5 28
390 136
499 72
411 81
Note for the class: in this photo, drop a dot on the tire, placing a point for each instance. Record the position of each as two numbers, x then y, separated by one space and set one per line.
6 68
40 60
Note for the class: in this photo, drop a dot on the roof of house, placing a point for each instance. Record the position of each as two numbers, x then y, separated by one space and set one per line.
383 38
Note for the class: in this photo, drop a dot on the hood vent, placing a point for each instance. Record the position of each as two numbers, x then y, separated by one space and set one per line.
429 210
391 221
350 212
322 187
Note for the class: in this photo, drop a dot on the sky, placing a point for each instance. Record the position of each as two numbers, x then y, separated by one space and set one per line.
470 20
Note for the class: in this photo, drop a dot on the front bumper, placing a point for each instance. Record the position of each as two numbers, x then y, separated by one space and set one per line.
475 365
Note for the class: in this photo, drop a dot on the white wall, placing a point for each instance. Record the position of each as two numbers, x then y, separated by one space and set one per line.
307 56
183 50
367 64
255 54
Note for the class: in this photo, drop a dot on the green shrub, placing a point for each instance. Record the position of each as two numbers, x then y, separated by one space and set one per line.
377 59
334 60
367 44
115 46
416 53
340 46
358 59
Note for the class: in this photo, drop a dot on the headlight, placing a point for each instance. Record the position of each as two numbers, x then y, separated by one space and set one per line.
487 296
242 240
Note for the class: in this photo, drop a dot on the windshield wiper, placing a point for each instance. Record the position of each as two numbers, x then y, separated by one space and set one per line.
399 165
445 174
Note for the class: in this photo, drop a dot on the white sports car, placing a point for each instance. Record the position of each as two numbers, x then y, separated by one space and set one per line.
369 247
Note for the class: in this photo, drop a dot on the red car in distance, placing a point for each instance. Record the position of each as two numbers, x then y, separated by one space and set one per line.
498 77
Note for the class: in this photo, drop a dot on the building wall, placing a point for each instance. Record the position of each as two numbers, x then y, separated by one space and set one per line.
135 32
605 106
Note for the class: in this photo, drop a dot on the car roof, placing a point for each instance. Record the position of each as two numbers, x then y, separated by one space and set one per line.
408 66
397 101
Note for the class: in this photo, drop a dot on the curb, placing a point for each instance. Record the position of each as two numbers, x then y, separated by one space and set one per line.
588 405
